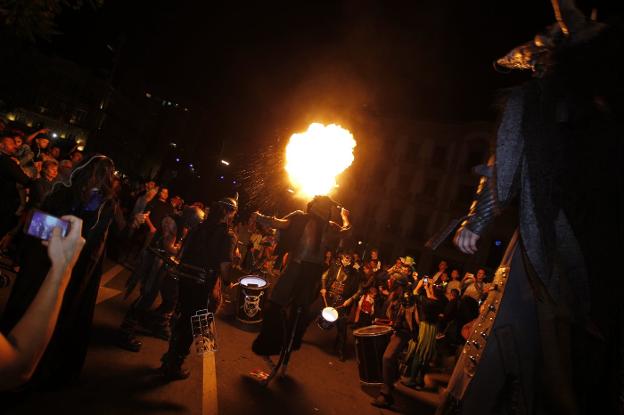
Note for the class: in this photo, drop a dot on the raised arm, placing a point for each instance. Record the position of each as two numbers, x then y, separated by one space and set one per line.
272 221
22 349
346 223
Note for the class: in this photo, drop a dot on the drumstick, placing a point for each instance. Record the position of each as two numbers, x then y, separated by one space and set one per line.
325 300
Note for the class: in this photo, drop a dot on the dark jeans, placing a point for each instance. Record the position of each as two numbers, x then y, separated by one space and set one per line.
150 273
193 296
390 368
169 292
341 334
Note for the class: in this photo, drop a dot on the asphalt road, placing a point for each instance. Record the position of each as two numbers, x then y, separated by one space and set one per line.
115 381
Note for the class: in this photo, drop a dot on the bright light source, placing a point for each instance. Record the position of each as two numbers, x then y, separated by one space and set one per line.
291 191
315 157
221 177
148 95
10 116
359 242
225 162
177 159
172 144
54 135
191 165
80 148
233 181
498 243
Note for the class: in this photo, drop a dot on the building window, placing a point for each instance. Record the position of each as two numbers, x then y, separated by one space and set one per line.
439 159
431 188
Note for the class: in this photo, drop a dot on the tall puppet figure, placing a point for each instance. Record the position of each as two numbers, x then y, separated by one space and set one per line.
547 339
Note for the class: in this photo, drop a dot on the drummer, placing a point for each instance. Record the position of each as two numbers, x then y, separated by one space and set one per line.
340 289
209 248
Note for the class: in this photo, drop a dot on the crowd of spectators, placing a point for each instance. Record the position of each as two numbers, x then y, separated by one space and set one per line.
148 224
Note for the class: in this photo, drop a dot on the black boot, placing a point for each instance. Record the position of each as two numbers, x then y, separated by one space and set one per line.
128 342
160 327
125 337
172 367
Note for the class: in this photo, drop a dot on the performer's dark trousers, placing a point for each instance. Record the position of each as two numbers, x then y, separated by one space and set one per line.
169 292
390 363
297 288
193 296
341 333
150 273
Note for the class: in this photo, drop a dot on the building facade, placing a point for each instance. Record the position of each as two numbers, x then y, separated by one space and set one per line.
413 178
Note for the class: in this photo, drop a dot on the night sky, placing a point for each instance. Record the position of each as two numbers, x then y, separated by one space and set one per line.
269 65
254 72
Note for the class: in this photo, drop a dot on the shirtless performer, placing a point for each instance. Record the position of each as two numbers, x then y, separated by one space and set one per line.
304 237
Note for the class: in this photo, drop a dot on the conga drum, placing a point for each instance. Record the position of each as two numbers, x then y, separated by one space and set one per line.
370 345
252 295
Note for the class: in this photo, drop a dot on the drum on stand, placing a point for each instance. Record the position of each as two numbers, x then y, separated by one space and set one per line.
252 293
370 345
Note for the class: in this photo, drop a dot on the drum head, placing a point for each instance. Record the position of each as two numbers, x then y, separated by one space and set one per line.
372 331
330 314
252 280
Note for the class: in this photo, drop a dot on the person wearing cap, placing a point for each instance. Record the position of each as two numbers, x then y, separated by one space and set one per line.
206 257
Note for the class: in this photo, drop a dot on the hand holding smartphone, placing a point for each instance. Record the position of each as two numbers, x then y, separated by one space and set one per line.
41 224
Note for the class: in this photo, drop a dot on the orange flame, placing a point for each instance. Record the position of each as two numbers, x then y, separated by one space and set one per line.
316 157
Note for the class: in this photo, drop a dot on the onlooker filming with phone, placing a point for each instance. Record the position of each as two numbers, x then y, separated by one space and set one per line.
22 348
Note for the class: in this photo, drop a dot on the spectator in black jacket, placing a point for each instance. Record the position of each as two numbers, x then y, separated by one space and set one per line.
10 175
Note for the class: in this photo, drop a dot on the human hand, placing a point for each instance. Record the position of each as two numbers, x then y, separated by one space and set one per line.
344 213
64 252
466 240
347 303
323 292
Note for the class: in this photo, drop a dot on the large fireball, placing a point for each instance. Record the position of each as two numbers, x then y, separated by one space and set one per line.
314 158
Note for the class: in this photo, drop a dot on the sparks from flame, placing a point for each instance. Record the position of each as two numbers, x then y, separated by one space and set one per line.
317 156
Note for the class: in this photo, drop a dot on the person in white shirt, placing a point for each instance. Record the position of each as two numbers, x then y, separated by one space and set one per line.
454 283
477 289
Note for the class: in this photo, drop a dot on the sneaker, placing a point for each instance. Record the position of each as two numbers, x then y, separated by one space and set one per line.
383 401
129 342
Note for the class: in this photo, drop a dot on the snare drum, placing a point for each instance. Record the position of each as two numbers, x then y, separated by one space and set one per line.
370 345
328 318
251 298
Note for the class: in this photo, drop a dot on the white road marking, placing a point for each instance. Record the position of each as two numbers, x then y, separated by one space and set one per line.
210 404
105 293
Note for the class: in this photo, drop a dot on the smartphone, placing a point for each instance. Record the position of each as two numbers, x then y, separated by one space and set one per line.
426 280
40 225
